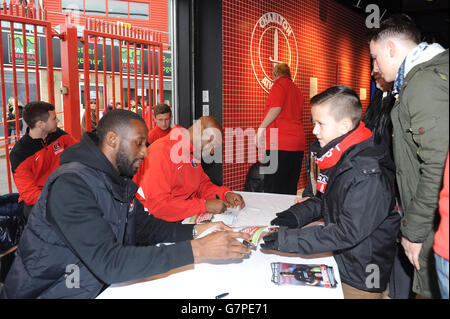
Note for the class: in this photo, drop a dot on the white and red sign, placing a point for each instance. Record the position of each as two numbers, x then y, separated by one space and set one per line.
273 41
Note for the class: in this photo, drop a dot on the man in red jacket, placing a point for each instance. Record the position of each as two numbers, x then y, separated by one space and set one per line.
175 186
36 155
441 238
162 115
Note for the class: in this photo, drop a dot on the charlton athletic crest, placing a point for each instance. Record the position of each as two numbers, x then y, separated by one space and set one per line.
56 146
273 41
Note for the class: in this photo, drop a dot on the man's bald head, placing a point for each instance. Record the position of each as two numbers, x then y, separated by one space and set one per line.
210 122
206 136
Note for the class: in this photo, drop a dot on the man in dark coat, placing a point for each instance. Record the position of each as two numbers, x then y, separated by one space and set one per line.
378 119
420 139
88 230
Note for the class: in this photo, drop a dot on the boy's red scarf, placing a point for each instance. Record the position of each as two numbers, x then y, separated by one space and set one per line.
332 157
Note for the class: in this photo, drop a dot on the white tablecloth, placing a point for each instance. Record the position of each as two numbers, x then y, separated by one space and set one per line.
249 278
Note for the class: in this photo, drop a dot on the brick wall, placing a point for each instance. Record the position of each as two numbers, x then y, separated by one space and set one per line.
331 47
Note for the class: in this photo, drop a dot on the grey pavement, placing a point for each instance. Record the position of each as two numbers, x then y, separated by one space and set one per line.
4 176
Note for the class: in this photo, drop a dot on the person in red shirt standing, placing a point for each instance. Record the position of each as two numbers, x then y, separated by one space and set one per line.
36 155
283 114
175 186
441 238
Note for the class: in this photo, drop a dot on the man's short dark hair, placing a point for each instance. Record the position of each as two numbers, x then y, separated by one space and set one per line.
397 25
115 121
162 108
344 103
36 111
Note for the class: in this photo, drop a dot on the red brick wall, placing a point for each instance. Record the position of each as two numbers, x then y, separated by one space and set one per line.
332 49
158 16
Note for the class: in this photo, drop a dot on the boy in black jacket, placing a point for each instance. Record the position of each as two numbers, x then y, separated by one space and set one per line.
354 197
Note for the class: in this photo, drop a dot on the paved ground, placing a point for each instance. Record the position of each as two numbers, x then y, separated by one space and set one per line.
4 176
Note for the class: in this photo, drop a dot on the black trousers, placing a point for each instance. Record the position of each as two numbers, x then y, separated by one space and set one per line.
25 209
401 280
285 178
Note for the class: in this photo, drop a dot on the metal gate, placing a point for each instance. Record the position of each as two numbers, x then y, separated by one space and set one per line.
100 61
131 56
25 28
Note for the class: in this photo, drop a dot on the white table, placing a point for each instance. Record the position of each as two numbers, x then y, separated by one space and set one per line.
249 278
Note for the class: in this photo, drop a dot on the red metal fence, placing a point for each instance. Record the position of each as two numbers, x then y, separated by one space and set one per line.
23 25
143 62
98 60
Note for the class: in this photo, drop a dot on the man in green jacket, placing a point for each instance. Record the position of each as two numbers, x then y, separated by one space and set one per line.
420 119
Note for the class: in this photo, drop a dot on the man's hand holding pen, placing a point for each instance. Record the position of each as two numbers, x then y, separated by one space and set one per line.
234 200
218 206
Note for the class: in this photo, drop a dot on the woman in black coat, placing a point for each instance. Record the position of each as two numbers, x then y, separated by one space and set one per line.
378 115
378 119
12 116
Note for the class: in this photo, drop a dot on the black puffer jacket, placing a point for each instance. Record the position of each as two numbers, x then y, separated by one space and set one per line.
87 218
361 225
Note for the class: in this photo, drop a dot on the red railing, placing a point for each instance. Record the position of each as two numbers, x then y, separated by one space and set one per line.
131 41
16 13
123 41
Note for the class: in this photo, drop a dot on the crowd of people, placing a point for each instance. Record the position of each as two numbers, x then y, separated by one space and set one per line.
379 182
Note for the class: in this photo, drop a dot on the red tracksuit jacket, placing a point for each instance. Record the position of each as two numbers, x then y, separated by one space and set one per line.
174 191
155 134
441 239
33 160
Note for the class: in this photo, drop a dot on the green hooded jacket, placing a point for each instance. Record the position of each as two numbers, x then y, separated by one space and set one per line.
420 119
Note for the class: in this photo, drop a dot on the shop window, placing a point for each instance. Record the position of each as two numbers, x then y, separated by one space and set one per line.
7 4
73 6
21 98
117 9
95 7
139 10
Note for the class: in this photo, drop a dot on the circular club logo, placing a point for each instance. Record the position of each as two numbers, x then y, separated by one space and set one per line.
56 146
272 42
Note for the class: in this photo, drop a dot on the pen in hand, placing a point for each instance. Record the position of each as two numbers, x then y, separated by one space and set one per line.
225 202
222 295
236 204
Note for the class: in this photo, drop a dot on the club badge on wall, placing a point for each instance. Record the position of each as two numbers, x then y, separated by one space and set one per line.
273 41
